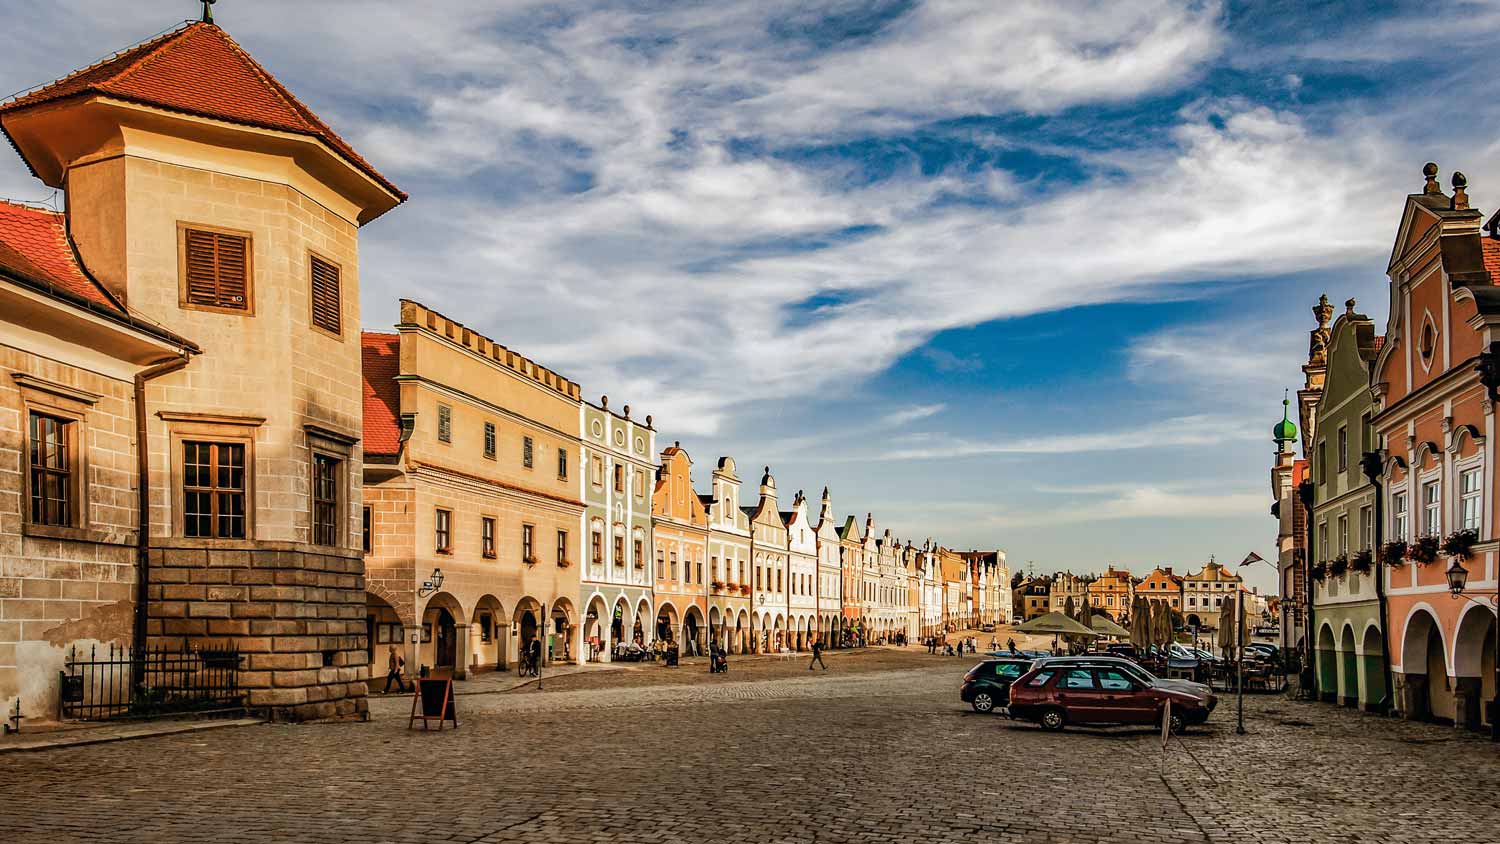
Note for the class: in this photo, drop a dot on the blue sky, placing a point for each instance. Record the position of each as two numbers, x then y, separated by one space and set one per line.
1025 274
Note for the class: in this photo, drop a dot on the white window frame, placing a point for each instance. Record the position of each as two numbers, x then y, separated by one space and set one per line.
1474 497
1432 511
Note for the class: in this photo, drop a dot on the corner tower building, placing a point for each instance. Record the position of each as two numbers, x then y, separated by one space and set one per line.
203 197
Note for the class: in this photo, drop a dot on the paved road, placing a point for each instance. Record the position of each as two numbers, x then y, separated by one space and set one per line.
878 752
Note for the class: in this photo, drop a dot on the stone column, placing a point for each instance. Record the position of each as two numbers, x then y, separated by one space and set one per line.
462 649
1466 702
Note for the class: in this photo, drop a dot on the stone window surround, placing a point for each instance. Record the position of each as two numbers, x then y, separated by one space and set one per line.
340 447
72 405
182 276
215 428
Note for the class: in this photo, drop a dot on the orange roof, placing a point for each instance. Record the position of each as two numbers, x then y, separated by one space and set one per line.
34 244
198 69
380 364
1491 254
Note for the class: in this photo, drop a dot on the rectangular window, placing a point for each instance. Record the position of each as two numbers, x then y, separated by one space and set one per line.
1470 500
1432 524
1322 549
640 484
1343 534
640 555
672 571
368 528
213 490
528 550
619 551
1398 517
325 500
713 564
489 440
562 547
327 302
442 531
596 544
1366 527
598 470
51 471
619 478
1322 461
487 537
562 464
699 566
527 451
661 564
1343 447
215 270
445 424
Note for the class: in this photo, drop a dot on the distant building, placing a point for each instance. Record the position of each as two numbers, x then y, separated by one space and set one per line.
1203 595
1112 592
1162 586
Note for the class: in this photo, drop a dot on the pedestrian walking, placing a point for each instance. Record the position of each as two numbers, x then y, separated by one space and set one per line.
394 664
817 651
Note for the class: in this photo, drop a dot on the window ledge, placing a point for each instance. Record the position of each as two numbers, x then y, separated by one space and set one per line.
73 534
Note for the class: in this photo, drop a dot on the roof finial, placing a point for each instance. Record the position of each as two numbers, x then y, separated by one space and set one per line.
1349 306
1429 172
208 11
1460 192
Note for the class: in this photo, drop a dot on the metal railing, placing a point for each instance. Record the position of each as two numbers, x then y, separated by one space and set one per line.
102 685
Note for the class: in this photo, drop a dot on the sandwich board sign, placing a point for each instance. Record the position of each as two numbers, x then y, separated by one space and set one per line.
432 700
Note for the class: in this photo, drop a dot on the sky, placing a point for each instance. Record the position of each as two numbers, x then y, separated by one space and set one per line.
1020 275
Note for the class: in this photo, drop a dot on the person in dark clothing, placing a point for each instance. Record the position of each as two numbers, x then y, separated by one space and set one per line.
534 652
817 651
395 664
1011 644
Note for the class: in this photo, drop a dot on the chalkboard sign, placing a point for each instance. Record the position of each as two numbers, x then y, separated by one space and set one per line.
433 700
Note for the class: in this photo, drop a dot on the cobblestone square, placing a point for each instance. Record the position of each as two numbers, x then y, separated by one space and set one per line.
876 749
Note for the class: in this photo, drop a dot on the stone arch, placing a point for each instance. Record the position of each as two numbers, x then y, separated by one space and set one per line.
1349 693
1372 650
488 629
693 632
402 604
526 624
645 621
562 626
666 622
1327 663
742 631
1474 665
384 629
440 646
1428 693
596 629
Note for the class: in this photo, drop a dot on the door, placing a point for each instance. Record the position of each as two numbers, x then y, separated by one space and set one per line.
1080 696
446 646
1125 700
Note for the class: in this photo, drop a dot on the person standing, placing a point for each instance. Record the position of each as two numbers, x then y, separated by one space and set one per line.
394 665
817 651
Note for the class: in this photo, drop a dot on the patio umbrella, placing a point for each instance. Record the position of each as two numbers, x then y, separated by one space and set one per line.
1085 613
1161 626
1140 619
1055 623
1226 627
1102 625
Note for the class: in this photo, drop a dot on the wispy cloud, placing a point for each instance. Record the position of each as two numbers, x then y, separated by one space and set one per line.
908 415
1179 432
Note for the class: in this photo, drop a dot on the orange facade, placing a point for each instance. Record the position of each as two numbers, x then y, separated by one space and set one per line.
680 536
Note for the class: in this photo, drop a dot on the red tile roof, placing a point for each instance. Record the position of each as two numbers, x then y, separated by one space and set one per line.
198 69
34 243
1491 251
380 358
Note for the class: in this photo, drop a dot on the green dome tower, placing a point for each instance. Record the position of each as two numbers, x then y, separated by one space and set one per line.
1284 431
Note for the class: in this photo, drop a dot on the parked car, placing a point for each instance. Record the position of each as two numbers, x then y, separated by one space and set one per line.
1123 651
1132 669
987 685
987 627
1055 695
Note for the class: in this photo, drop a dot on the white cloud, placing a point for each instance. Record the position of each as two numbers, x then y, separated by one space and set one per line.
1145 502
1178 432
908 415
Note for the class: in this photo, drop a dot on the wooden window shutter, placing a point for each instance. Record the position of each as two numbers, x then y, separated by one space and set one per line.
217 269
327 312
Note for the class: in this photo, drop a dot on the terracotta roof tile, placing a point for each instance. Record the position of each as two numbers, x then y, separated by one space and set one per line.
198 69
380 364
34 243
1491 252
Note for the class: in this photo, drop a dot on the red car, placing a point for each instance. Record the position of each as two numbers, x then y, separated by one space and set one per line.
1057 696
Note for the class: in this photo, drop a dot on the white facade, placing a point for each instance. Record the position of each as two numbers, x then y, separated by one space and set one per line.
802 575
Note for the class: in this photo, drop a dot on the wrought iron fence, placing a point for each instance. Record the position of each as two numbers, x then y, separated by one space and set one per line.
102 685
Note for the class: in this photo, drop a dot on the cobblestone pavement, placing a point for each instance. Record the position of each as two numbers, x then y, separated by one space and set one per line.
885 754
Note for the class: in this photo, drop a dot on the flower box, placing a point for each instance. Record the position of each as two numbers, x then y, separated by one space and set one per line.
1393 554
1319 571
1362 561
1460 543
1338 565
1425 550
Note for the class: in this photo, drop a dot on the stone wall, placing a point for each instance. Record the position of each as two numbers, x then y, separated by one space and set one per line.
297 615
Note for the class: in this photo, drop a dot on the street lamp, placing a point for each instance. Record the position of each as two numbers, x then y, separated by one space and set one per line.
1458 578
432 584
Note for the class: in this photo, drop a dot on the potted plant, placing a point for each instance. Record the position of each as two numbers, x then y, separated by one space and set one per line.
1394 554
1362 561
744 589
718 585
1338 565
1319 571
1425 550
1460 543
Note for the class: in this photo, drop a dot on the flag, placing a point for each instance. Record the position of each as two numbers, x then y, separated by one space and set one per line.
1252 557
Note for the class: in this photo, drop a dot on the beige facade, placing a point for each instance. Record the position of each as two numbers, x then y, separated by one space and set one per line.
483 485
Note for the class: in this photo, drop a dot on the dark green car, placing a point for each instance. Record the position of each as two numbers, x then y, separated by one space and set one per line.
987 685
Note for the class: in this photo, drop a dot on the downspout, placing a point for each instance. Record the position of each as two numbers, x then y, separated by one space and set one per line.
143 507
1370 464
1305 493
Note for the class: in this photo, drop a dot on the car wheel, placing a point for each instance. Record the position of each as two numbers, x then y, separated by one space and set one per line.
1052 719
984 703
1176 725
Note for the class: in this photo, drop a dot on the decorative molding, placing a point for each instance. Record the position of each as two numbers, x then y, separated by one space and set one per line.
1456 443
329 434
31 382
211 418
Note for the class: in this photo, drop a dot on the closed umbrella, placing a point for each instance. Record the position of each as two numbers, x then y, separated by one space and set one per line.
1085 613
1140 618
1068 609
1163 626
1226 627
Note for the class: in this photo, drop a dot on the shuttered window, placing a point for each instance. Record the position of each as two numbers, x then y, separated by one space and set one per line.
216 270
327 312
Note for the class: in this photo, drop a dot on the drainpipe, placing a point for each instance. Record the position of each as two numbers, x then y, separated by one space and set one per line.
1305 493
1369 463
143 507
